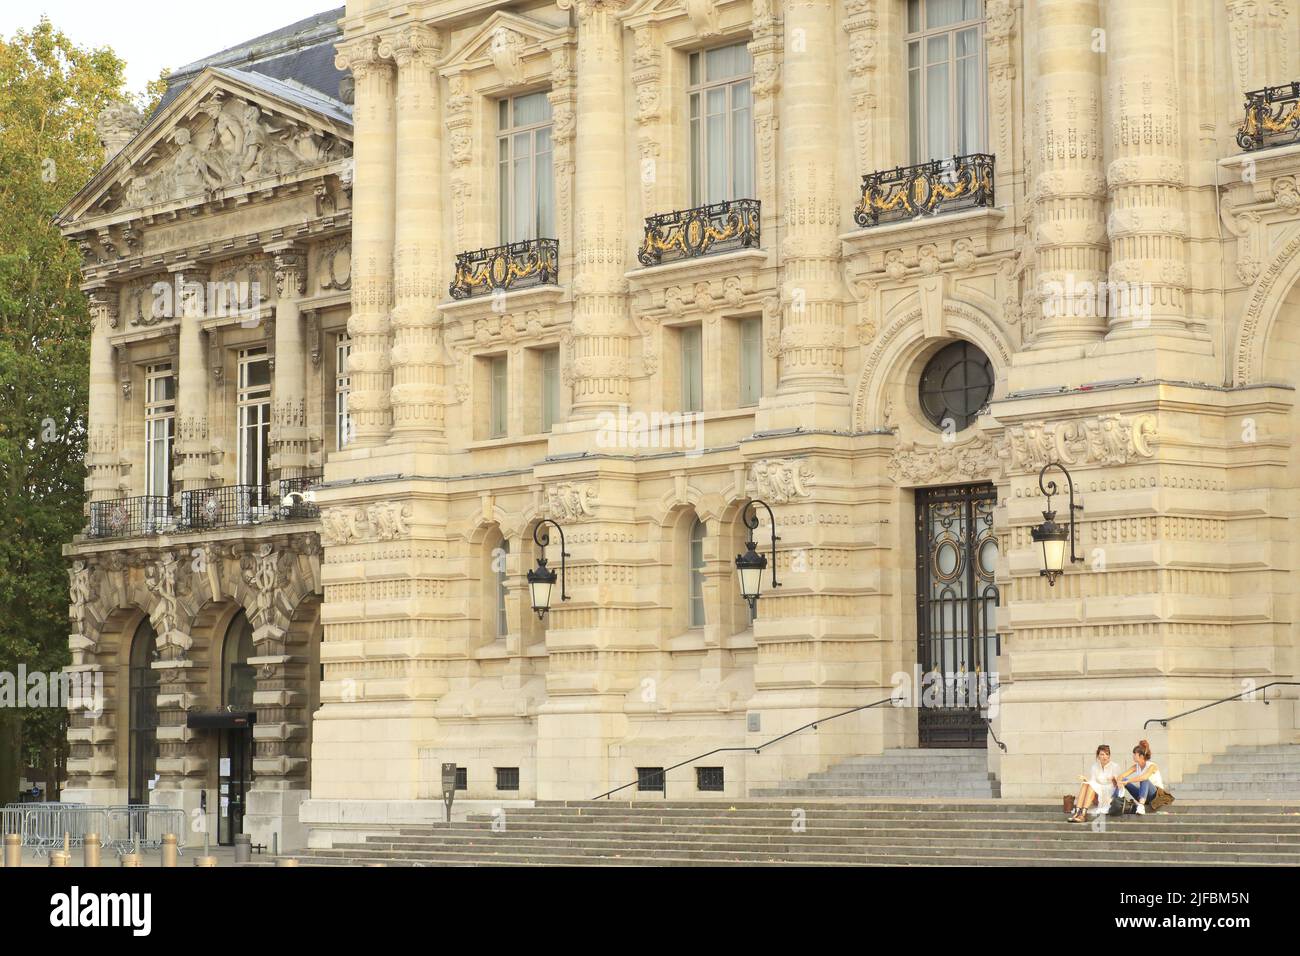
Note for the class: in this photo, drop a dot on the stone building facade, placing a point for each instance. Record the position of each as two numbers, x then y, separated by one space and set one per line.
625 266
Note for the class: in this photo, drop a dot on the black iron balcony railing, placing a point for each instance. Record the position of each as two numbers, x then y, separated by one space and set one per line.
516 265
296 498
131 517
226 507
702 231
1272 117
926 189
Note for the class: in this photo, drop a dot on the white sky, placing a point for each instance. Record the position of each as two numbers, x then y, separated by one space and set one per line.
150 35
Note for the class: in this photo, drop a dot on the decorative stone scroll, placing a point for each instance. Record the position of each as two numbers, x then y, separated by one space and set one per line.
780 480
1103 440
571 502
974 460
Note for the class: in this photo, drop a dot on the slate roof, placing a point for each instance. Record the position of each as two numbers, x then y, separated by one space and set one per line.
299 56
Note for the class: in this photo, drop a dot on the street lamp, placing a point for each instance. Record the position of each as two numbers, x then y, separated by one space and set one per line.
541 580
1049 534
751 565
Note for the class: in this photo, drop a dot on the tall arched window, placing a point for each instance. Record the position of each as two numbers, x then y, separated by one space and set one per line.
142 760
696 565
238 677
495 587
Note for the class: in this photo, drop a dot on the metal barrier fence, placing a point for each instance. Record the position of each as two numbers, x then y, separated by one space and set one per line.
43 825
125 824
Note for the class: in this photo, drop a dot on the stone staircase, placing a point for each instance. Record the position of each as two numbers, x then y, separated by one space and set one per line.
834 833
1246 773
951 774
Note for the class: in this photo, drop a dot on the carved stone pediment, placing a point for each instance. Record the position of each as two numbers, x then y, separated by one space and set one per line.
219 134
504 41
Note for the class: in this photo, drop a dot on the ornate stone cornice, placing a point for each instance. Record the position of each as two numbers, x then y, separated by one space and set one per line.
362 57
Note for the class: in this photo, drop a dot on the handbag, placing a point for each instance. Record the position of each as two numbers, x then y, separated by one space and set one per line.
1068 802
1116 806
1162 799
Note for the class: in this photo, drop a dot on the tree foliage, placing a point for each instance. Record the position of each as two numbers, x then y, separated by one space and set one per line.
50 93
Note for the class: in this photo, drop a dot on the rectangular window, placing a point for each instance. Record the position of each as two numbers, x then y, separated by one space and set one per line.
751 361
526 181
499 383
159 429
721 103
650 778
342 388
507 778
692 364
254 418
945 78
709 779
550 388
462 778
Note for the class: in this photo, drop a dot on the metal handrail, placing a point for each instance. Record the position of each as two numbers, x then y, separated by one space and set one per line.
1001 745
663 774
1164 721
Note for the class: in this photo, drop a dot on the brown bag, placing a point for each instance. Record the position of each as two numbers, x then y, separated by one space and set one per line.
1162 799
1068 802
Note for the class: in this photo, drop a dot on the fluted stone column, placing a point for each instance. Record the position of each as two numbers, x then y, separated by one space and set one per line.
812 347
600 350
374 160
1070 187
193 442
418 371
1148 221
289 421
102 452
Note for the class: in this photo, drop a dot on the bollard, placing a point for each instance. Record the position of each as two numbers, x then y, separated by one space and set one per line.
132 859
286 861
205 861
275 843
91 850
169 849
243 848
13 850
62 857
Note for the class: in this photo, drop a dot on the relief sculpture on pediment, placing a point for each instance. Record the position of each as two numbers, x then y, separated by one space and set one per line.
226 143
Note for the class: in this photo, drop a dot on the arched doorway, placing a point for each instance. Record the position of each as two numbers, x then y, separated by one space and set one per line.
235 754
142 690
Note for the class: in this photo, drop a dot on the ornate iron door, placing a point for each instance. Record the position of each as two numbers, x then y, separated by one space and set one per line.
957 639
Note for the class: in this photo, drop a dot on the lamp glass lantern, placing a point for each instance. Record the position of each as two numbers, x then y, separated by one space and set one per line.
749 568
541 582
1052 537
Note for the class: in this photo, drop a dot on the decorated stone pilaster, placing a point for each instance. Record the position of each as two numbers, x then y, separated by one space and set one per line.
289 438
181 762
419 271
102 449
374 157
811 340
193 439
1148 225
600 349
1070 186
94 704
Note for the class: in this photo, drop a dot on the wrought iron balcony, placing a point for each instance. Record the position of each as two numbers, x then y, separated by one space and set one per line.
296 498
926 189
516 265
226 507
131 517
702 231
1272 117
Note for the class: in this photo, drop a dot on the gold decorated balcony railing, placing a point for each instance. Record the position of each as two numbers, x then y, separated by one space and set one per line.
926 189
205 509
702 231
516 265
1272 117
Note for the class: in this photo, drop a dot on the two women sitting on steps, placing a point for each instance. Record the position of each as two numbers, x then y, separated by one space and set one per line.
1142 782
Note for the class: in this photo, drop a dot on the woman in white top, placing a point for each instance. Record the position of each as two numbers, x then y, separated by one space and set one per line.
1143 778
1098 787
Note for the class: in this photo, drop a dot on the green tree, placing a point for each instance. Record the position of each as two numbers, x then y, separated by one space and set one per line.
51 90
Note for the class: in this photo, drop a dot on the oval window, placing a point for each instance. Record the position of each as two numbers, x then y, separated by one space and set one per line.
956 383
